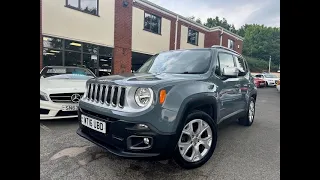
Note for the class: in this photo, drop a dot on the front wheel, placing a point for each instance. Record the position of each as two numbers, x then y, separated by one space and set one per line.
197 141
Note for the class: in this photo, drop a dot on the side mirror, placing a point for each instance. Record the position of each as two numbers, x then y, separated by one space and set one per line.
231 72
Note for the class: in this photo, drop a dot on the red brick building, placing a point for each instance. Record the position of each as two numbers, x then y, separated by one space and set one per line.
118 35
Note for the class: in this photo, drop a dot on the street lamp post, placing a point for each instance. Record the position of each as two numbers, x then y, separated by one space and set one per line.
269 63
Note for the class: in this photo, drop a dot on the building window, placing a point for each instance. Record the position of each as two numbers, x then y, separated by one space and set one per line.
105 61
53 43
72 58
230 44
64 52
87 6
152 23
193 37
52 57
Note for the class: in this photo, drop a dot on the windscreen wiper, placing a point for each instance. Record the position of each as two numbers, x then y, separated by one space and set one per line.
187 72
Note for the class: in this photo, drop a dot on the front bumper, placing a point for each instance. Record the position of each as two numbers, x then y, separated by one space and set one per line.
51 110
271 83
119 138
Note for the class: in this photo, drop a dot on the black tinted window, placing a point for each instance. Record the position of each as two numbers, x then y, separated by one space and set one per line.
225 60
179 62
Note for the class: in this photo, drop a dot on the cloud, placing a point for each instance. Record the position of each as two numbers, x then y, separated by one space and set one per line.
237 12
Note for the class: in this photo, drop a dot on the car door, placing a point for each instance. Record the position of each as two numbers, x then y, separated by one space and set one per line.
244 80
229 88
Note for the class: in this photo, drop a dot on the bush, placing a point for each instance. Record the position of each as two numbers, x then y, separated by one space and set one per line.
258 65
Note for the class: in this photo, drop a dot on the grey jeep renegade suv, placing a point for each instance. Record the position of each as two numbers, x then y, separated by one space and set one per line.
170 107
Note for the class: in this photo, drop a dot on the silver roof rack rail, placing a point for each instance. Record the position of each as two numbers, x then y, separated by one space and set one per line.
225 48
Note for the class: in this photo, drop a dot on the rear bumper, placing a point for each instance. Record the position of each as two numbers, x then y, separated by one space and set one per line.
120 136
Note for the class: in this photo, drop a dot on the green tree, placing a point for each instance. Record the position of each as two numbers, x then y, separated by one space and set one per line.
198 20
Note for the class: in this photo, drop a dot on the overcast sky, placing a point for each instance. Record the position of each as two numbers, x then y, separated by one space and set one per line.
237 12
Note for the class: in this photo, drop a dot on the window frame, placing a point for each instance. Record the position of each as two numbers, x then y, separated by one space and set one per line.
79 8
197 41
233 43
144 21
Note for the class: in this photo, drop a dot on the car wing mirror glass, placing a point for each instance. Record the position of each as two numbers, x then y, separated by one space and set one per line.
230 72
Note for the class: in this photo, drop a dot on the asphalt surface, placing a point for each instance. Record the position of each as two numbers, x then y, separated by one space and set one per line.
242 153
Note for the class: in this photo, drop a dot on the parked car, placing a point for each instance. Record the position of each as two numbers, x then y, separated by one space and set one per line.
259 82
170 107
278 85
61 89
270 79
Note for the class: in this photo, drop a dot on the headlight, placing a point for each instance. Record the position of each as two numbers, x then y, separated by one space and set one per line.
143 96
43 96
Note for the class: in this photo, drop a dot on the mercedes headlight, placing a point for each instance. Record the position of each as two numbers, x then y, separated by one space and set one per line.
143 96
43 96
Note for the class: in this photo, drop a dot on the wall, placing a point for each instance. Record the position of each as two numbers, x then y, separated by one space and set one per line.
184 39
122 28
145 41
60 21
225 38
165 16
212 38
122 51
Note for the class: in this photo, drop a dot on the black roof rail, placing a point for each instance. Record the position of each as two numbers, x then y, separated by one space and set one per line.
225 48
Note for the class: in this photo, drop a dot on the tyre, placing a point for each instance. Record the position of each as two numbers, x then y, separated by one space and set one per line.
197 140
248 119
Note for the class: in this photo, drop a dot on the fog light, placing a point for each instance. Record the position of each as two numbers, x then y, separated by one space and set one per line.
146 141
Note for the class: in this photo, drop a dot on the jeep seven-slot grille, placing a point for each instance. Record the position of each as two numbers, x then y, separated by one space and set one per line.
106 94
63 97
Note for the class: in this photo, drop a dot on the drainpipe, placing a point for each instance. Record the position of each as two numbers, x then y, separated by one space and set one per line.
176 35
221 37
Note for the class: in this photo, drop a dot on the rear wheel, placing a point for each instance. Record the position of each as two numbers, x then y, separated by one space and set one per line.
248 119
197 141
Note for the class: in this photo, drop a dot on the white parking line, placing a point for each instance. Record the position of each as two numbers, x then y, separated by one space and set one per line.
45 128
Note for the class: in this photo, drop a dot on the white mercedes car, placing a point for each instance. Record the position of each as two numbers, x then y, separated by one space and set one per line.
271 79
61 88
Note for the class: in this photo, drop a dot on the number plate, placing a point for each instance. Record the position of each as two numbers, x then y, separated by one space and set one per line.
70 108
93 123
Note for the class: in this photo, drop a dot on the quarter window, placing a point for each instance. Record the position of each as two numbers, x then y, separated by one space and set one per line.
152 23
193 37
87 6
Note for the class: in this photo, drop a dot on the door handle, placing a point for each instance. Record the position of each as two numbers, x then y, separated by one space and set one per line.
237 85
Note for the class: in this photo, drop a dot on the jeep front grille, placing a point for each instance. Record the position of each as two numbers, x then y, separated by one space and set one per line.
111 95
